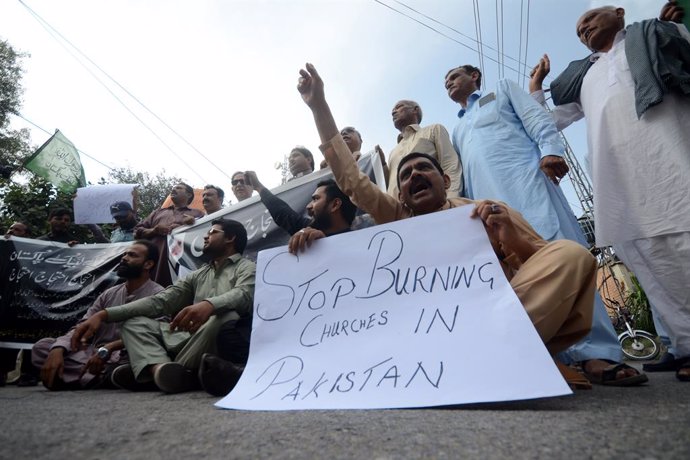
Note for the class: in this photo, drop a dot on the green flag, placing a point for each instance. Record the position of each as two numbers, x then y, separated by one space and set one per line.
58 162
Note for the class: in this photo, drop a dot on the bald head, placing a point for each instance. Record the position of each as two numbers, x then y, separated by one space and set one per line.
597 28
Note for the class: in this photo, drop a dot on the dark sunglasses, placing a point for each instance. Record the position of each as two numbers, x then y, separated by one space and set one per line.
238 182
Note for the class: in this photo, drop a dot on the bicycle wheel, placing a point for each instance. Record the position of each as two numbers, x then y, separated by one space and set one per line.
640 347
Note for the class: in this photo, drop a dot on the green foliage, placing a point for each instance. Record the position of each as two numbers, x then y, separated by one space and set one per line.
14 145
152 190
10 81
638 305
30 203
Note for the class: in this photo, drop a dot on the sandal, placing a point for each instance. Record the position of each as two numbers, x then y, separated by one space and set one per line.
608 375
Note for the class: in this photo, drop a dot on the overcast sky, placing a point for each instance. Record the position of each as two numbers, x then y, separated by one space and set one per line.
223 74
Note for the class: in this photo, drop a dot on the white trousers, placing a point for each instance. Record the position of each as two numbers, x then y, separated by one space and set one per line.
662 266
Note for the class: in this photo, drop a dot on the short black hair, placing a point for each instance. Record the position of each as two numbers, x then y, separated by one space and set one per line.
219 191
233 228
469 69
59 212
332 192
152 252
307 154
190 191
412 156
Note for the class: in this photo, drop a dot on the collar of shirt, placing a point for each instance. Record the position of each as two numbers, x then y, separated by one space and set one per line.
408 131
230 260
470 102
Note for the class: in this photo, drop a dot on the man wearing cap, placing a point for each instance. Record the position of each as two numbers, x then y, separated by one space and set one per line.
126 220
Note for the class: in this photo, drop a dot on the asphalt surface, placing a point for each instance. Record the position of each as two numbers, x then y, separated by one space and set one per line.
652 421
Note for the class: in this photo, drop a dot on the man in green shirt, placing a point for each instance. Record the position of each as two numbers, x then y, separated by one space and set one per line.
169 355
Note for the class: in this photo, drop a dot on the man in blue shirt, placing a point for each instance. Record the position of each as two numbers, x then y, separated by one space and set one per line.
510 150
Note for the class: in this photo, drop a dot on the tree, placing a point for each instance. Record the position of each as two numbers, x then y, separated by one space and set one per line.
152 191
14 145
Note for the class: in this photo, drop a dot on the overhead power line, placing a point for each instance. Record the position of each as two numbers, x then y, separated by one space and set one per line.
80 151
478 42
53 32
478 34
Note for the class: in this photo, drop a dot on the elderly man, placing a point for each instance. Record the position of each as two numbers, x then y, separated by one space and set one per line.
633 93
241 187
126 220
161 222
558 300
169 355
212 199
511 151
89 367
431 139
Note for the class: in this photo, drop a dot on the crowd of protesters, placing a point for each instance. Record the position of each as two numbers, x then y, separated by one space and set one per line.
505 157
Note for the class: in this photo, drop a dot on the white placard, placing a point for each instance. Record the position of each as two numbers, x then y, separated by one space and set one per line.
92 203
410 314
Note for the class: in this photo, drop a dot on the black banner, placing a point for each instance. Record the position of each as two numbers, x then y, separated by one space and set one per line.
47 286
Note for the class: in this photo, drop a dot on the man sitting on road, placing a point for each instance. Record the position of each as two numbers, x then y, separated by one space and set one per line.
219 292
89 367
331 212
558 300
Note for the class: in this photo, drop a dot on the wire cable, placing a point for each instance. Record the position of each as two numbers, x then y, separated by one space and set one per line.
441 33
526 42
478 33
53 32
519 76
478 41
50 134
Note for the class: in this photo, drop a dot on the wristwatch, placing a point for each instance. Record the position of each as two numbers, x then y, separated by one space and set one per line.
103 353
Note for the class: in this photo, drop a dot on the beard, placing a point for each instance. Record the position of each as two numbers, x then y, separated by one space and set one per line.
129 271
321 221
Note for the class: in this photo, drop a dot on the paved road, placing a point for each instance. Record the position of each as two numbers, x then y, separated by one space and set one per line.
648 422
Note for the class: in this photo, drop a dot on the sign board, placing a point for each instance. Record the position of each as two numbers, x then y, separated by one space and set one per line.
409 314
92 203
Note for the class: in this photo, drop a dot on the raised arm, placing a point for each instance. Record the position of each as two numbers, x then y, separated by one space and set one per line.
284 216
563 115
363 193
310 86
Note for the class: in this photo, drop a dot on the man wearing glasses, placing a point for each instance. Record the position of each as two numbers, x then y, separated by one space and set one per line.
241 186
